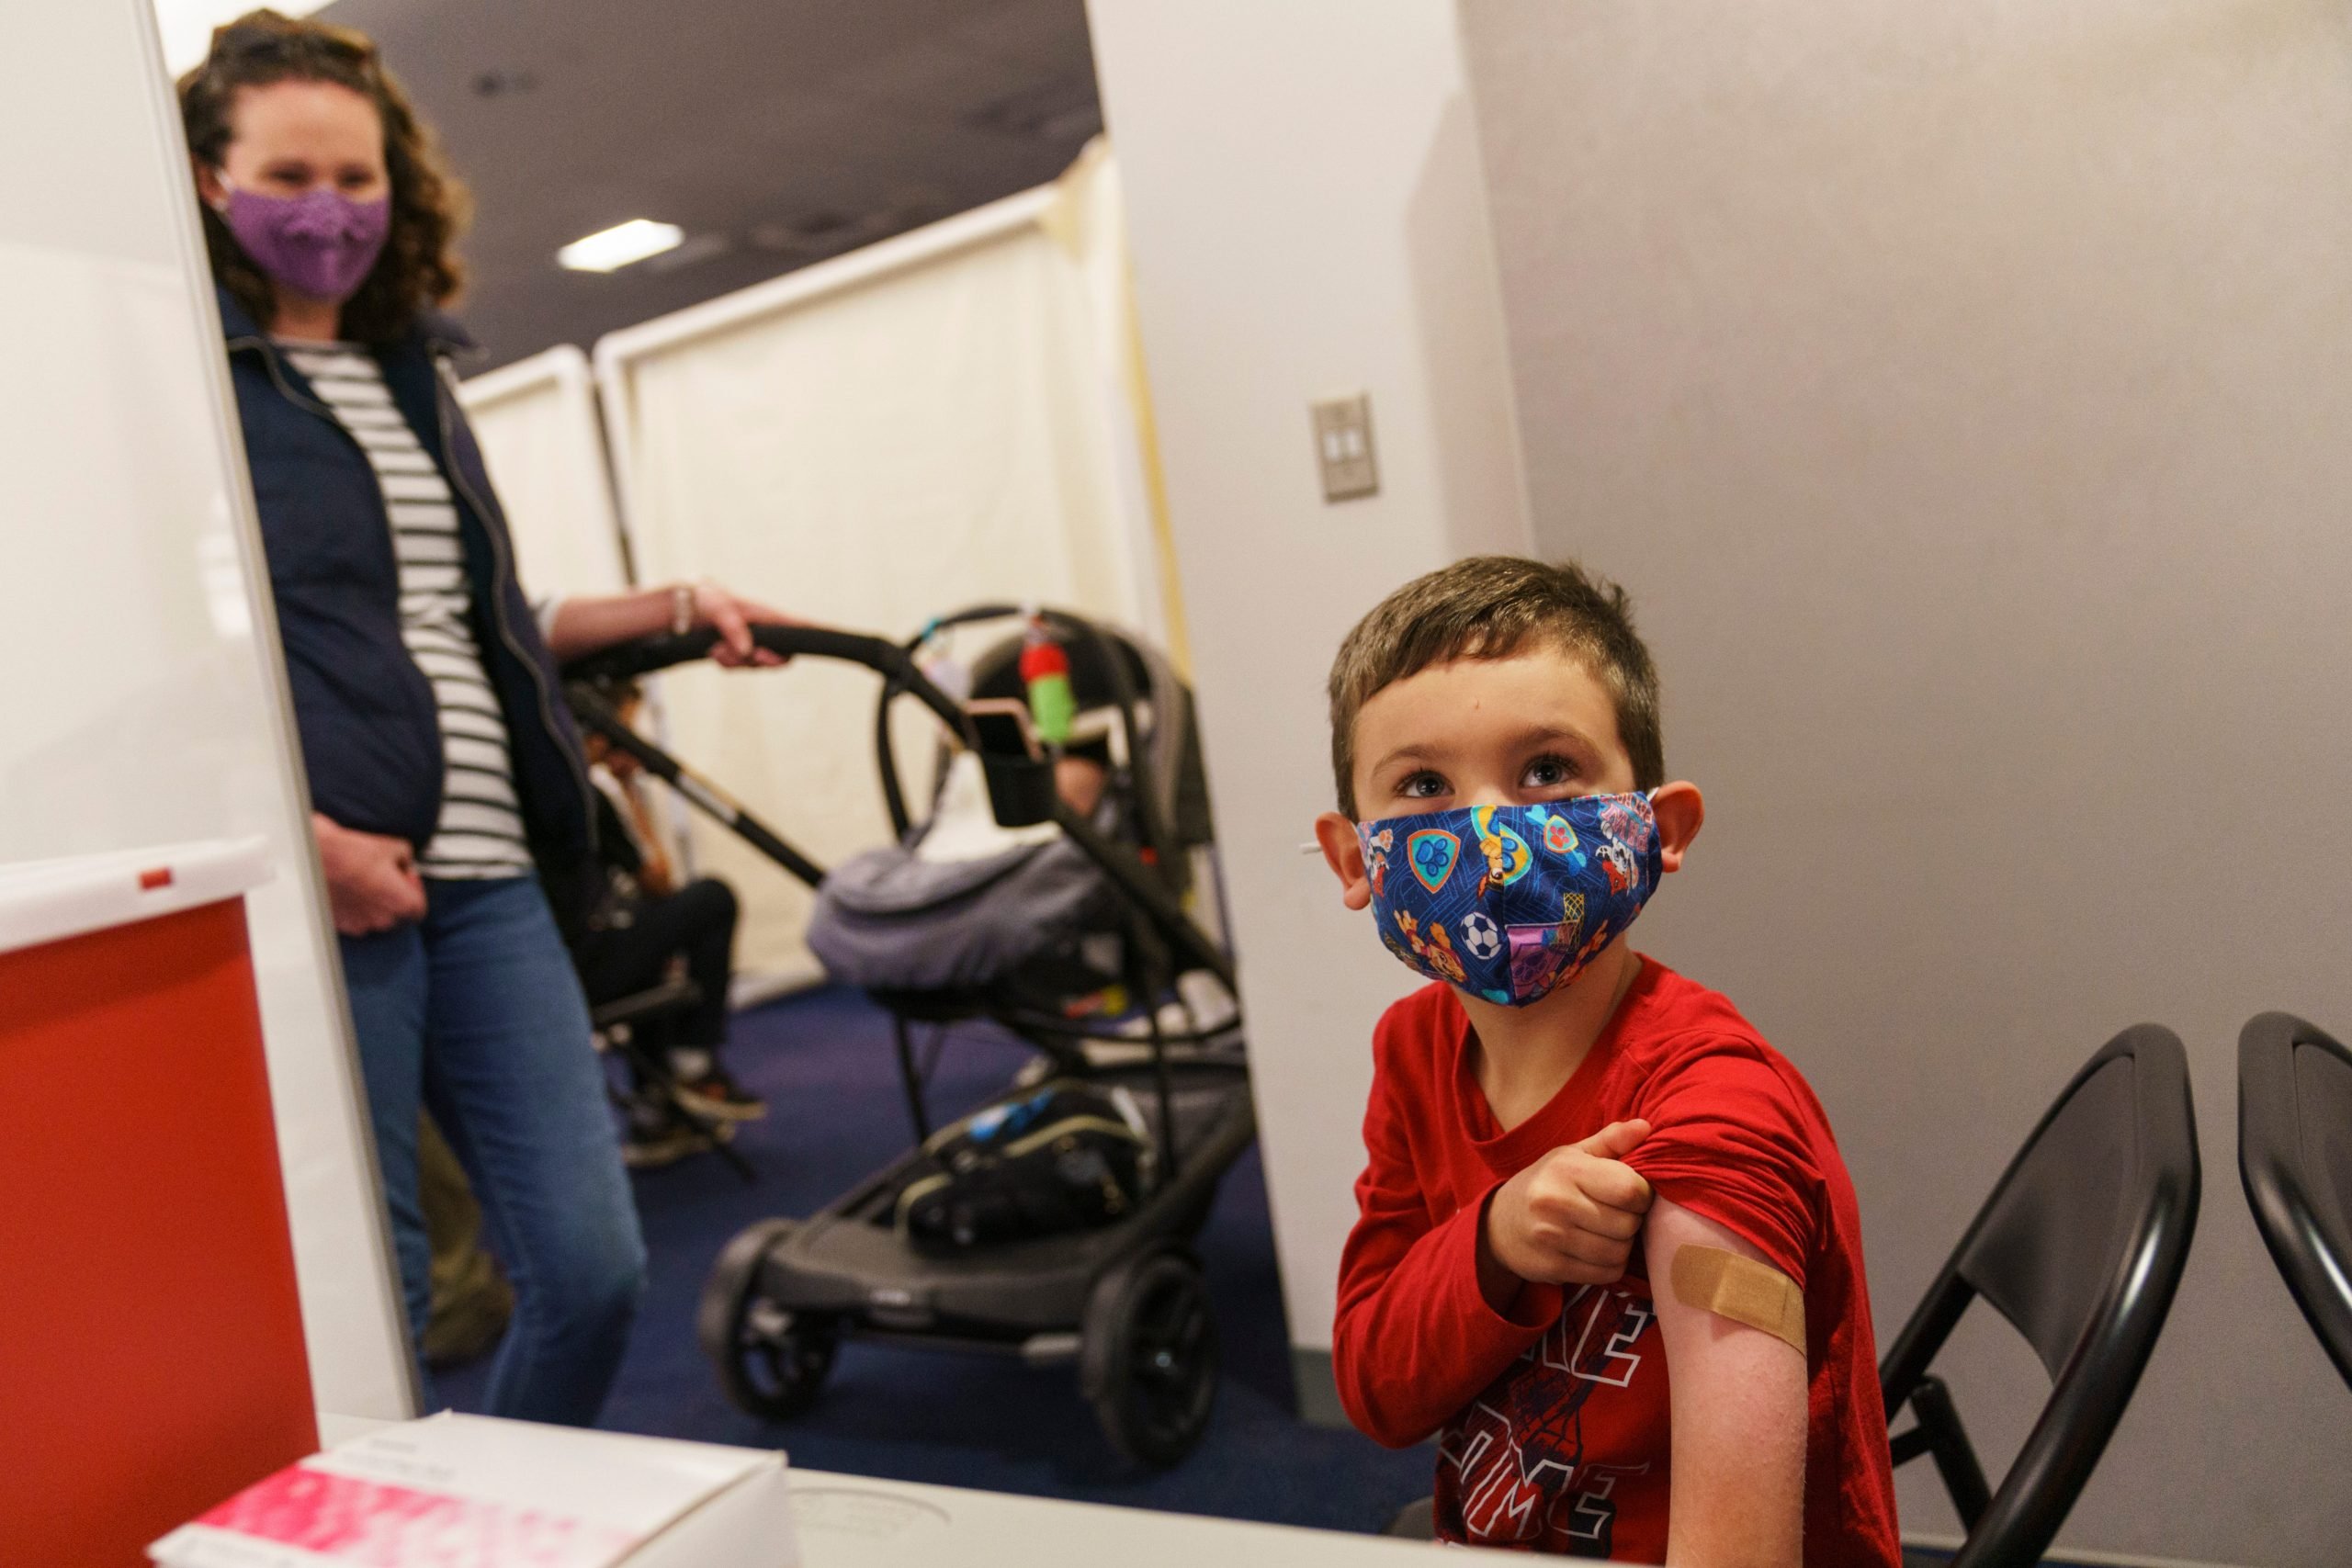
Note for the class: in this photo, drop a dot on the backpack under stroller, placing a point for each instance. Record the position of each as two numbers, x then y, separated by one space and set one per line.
1002 902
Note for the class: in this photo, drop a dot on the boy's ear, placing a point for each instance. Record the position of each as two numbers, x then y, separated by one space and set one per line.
1681 811
1343 852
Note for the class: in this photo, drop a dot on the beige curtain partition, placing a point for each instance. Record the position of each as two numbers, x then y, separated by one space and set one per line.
537 422
942 419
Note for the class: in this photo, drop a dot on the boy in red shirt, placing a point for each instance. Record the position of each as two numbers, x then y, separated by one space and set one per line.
1584 1169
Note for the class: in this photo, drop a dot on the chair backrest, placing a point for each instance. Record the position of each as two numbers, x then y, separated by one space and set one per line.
2295 1160
2079 1247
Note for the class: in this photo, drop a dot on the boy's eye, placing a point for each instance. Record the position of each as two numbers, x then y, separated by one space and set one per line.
1550 772
1421 786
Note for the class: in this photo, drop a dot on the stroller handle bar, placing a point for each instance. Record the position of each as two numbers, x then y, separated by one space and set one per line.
642 655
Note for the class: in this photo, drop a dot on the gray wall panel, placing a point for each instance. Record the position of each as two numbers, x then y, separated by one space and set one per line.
1965 394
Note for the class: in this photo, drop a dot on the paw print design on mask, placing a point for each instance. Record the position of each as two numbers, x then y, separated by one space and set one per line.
1558 836
1432 852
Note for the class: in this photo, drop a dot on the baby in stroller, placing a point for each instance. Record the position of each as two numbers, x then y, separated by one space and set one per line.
965 914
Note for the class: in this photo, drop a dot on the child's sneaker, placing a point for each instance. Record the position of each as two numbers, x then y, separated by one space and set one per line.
660 1137
716 1097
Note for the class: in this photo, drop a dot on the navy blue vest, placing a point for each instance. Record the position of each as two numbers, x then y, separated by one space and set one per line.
370 733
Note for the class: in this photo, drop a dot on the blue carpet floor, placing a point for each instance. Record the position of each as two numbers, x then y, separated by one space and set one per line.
824 1063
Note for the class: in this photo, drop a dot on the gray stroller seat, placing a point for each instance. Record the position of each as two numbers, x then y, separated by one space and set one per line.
963 906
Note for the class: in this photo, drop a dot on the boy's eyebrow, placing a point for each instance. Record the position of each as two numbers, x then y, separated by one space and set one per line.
1539 735
1543 734
1414 752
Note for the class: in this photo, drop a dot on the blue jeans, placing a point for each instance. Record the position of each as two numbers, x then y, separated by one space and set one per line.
475 1013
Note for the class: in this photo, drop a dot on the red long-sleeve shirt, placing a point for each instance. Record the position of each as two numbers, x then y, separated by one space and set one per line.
1552 1420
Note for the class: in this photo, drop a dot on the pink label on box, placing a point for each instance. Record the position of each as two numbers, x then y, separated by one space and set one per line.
366 1523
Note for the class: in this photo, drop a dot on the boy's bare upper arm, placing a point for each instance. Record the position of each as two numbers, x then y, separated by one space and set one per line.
1738 1414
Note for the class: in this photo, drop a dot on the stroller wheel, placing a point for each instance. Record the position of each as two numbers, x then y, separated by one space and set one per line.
771 1361
1151 1358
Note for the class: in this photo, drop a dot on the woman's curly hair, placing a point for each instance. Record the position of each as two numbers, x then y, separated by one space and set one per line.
417 269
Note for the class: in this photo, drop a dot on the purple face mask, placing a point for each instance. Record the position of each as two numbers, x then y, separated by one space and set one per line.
319 244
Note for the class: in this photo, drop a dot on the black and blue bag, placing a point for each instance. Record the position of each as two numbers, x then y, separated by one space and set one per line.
1063 1156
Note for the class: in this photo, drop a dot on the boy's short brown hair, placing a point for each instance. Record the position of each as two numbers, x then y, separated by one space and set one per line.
1492 607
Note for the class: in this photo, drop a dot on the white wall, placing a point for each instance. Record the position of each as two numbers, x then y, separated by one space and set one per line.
145 699
1305 208
1964 392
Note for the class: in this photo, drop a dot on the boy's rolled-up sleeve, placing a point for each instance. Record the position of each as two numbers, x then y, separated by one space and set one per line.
1729 1141
1414 1340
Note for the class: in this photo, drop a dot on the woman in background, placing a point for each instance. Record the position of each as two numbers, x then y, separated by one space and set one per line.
453 814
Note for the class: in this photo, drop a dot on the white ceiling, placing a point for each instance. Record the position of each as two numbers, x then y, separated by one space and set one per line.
776 132
187 25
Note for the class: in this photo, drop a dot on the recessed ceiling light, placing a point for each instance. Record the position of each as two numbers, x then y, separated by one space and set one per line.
619 245
498 83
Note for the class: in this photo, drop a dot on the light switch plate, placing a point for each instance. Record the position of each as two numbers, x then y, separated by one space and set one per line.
1343 448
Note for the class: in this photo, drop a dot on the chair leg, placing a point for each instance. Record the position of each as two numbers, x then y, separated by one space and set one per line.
911 1078
1940 1435
725 1150
653 1071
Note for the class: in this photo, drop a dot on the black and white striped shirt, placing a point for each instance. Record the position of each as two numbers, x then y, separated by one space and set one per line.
481 831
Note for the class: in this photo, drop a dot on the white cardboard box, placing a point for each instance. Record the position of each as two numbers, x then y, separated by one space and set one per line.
469 1491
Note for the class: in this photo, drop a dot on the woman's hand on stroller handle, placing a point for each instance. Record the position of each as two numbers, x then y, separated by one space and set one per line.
732 617
588 624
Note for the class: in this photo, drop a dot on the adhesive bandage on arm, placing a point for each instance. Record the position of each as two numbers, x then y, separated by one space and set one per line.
1742 1290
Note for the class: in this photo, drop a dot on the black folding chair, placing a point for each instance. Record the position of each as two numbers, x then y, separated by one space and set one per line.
2079 1247
2295 1158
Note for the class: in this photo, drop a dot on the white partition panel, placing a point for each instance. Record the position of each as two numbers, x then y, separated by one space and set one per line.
1962 392
869 443
537 423
1309 219
146 699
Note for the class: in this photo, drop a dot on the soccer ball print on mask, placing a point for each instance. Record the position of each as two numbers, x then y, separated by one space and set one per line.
1511 902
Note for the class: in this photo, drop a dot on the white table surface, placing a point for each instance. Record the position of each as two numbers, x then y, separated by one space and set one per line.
857 1521
854 1521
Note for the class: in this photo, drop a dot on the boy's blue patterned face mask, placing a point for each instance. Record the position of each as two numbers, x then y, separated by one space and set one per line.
1508 902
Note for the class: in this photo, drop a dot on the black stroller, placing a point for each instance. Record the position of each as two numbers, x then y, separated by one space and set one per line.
1124 1300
